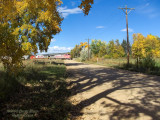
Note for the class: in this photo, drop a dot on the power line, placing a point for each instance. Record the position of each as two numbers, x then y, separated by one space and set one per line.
125 10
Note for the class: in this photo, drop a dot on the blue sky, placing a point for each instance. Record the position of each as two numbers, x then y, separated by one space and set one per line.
105 22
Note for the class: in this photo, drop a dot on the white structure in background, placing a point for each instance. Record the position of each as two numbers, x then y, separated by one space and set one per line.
26 57
40 56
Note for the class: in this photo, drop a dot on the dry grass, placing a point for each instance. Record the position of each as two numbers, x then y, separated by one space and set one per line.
109 62
1 67
38 80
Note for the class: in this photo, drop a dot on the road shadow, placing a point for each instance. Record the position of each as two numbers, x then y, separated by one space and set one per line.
147 90
74 64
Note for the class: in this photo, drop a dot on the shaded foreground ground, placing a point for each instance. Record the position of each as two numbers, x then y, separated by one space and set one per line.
41 95
100 93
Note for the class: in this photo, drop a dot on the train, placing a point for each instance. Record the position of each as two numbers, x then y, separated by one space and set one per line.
58 56
65 56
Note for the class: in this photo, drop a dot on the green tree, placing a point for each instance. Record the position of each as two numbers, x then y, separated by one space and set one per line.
119 49
124 45
115 50
95 47
111 48
103 49
75 52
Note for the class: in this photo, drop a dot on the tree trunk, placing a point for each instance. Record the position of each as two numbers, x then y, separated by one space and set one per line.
137 62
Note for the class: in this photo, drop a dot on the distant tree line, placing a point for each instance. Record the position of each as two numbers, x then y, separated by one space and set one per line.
101 49
142 47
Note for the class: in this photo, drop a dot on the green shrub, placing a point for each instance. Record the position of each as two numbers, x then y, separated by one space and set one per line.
115 55
107 56
148 63
84 54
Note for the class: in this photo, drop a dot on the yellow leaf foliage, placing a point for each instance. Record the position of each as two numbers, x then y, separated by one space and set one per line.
29 25
24 24
143 46
83 44
86 6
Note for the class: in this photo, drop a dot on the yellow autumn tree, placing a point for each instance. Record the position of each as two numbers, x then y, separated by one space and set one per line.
138 50
145 46
152 46
29 25
10 50
24 25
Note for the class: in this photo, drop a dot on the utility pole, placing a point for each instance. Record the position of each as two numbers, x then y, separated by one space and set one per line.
125 10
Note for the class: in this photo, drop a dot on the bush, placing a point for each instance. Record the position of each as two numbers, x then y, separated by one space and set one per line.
84 54
148 63
107 56
115 55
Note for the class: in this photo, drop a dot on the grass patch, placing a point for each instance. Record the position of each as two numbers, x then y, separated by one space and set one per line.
120 63
107 62
141 69
44 90
147 65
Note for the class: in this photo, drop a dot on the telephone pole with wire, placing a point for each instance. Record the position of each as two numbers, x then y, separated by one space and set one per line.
125 10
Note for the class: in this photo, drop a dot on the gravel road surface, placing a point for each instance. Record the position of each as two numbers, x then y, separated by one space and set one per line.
101 93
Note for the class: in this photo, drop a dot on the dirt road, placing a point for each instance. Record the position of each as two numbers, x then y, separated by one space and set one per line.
100 93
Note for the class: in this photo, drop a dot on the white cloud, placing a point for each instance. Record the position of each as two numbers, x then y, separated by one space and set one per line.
129 30
53 40
148 10
154 15
100 27
143 7
57 49
146 5
65 11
